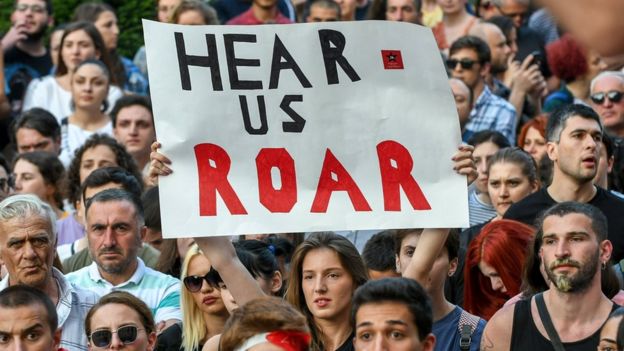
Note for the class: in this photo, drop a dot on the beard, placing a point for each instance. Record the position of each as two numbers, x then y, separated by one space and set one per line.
573 283
37 35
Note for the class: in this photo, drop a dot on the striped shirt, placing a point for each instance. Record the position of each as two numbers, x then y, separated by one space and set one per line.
72 308
478 211
160 292
491 112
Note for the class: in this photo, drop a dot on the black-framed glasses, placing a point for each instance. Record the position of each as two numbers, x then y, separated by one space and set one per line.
614 96
127 334
193 283
464 63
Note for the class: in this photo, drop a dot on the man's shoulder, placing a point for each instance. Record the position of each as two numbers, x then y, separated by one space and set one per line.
495 101
498 330
78 277
527 209
158 280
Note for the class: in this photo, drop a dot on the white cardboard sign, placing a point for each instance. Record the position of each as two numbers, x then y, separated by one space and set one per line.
303 127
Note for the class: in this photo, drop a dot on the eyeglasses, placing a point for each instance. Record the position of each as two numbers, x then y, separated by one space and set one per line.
194 282
103 337
613 95
464 63
36 8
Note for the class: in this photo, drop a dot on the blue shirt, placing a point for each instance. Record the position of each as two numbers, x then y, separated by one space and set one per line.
446 331
491 112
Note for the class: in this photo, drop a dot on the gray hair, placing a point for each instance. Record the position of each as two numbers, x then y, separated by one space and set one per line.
26 205
605 74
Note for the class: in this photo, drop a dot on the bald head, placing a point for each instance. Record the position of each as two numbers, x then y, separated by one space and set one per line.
497 42
463 100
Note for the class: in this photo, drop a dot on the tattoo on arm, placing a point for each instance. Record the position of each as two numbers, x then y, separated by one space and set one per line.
486 343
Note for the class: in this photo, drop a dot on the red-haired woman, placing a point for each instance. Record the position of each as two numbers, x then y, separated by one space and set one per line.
494 266
576 66
532 137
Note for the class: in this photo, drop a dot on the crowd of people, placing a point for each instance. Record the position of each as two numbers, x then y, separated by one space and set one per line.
539 95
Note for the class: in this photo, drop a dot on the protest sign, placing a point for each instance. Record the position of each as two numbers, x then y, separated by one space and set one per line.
303 127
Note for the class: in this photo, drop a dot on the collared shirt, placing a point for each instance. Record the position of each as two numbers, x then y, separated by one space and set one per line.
248 18
159 291
490 112
72 308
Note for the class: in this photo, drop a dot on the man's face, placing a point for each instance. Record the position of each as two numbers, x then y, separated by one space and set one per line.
322 14
134 129
27 250
29 140
571 252
467 67
402 11
347 9
26 328
514 10
577 153
611 112
265 4
31 18
114 235
388 326
499 48
463 102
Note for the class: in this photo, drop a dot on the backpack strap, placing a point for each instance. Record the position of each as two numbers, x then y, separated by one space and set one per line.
466 327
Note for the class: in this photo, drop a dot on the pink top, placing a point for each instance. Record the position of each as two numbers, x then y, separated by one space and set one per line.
248 18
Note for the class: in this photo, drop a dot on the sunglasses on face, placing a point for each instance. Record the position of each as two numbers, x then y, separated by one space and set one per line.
464 63
127 334
614 97
193 283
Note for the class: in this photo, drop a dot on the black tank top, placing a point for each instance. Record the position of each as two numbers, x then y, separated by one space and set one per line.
526 336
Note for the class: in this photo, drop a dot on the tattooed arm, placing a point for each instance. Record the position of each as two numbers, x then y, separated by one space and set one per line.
497 333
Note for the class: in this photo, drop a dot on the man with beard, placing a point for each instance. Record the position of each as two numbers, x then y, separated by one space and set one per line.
571 241
25 55
27 248
115 228
574 135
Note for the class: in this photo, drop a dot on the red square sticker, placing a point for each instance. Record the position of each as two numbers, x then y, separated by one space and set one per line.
392 59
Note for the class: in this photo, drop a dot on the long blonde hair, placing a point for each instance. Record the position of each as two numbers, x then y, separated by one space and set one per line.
193 324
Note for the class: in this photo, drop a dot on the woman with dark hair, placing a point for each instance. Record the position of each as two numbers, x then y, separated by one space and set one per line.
325 271
40 173
80 41
90 84
123 71
486 143
120 320
612 333
493 266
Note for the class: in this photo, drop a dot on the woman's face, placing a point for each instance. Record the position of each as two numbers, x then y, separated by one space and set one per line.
482 153
492 274
89 86
96 157
507 185
208 298
534 144
327 286
452 6
106 24
609 334
77 47
28 180
113 316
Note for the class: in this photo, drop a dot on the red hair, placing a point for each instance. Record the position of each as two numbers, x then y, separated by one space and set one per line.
567 60
503 245
539 123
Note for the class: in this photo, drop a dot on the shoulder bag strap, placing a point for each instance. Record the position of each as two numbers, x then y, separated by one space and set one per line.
548 325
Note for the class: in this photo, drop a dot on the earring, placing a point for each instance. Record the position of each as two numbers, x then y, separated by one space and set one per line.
604 265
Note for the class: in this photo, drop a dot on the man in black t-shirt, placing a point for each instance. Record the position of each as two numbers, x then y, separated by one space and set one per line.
574 133
25 55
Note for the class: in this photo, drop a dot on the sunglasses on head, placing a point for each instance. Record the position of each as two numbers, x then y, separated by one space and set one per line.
464 63
194 283
103 337
614 96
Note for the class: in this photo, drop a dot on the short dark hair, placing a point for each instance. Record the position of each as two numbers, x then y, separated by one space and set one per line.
401 290
609 144
110 195
484 136
123 158
474 43
558 119
598 219
378 254
130 100
128 300
37 119
117 175
23 296
151 207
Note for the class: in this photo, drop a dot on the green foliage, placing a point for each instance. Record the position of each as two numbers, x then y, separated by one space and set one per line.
129 15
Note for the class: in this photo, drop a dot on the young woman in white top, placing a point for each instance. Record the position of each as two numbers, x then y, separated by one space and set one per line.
80 41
